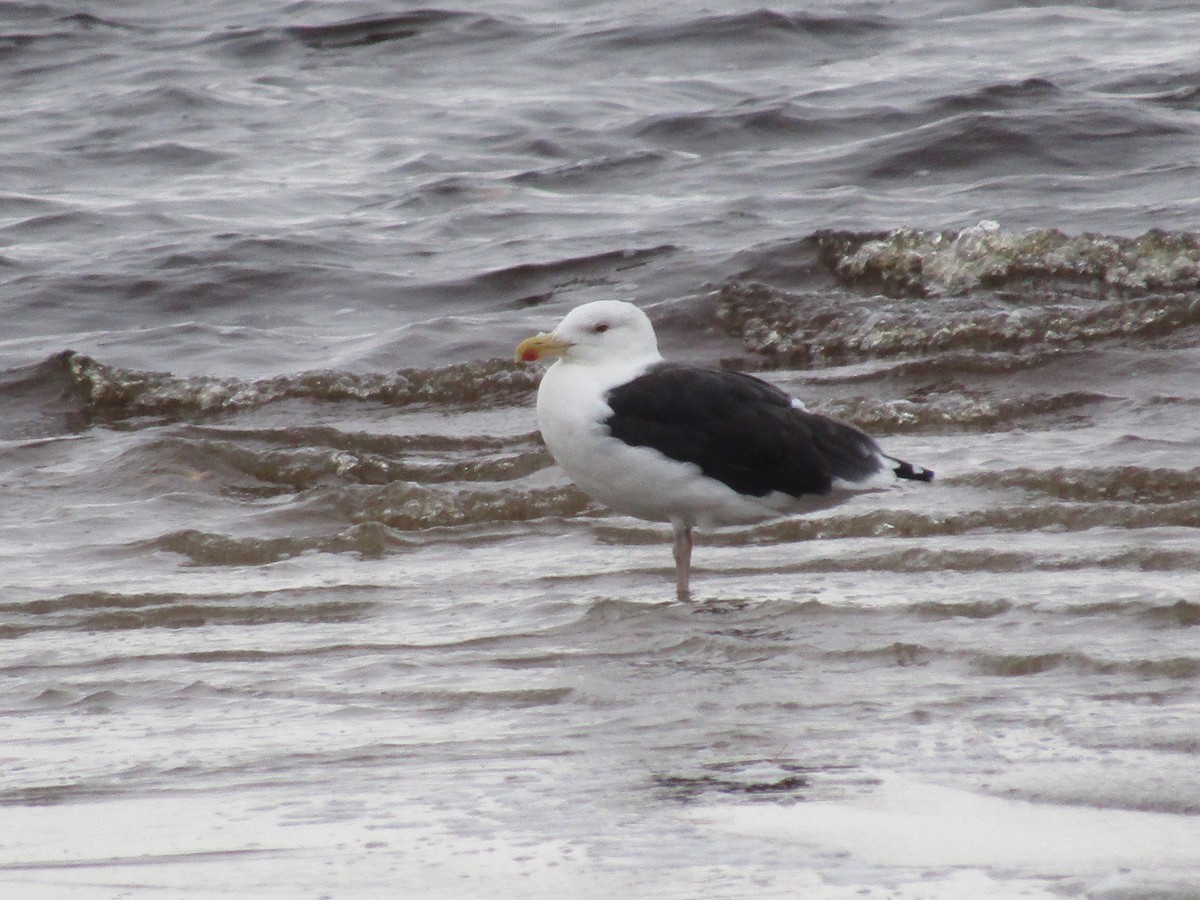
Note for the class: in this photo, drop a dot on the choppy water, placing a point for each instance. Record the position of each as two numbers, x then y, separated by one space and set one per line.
294 602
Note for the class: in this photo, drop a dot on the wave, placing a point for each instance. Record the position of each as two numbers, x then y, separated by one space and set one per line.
382 517
1000 96
1130 484
1014 141
168 154
424 25
736 126
107 611
210 549
770 781
36 402
755 27
824 328
1021 297
1051 516
1022 665
256 464
408 506
581 173
110 393
371 30
912 262
546 278
46 25
1175 88
296 459
956 411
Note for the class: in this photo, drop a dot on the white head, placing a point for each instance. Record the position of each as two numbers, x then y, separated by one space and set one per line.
604 332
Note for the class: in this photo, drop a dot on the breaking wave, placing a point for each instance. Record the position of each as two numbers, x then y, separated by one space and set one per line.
111 393
1018 296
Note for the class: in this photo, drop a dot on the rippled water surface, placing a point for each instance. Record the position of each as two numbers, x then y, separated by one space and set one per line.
294 602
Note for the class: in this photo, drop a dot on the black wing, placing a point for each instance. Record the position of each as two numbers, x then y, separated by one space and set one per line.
739 430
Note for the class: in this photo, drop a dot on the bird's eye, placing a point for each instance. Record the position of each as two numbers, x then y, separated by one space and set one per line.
600 328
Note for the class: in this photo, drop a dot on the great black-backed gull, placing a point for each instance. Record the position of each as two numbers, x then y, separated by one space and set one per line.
692 446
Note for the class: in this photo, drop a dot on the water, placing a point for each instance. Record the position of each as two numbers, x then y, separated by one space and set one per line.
294 602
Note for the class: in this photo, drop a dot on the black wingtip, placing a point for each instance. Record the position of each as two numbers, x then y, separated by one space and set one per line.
910 472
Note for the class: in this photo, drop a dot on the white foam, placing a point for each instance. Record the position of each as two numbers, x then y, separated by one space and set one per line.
914 824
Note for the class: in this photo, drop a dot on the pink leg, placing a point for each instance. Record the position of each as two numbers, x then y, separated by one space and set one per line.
683 560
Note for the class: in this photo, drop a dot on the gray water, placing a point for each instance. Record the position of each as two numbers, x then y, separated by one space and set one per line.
293 602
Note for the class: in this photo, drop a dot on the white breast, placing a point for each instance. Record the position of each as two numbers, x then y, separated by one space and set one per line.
636 481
